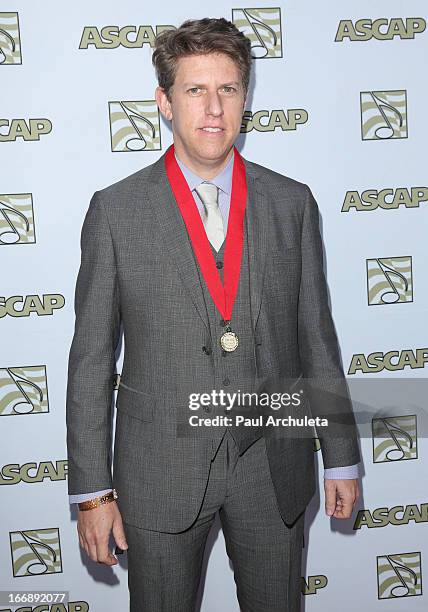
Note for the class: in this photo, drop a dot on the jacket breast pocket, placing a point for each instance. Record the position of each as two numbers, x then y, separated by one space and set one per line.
135 403
287 256
283 272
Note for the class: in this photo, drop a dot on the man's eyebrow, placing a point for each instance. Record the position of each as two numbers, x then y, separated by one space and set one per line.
195 84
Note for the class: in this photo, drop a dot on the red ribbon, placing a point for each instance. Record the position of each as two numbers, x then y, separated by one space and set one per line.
223 295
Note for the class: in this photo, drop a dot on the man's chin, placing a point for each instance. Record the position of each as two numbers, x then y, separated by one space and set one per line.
214 153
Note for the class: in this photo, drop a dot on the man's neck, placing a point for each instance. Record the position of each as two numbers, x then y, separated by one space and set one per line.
205 170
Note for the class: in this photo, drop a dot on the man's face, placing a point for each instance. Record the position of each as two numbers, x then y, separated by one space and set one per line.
206 107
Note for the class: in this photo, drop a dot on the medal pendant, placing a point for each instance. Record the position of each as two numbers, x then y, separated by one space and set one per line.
229 341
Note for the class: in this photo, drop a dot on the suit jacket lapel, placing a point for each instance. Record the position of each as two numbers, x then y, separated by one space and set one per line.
257 219
173 234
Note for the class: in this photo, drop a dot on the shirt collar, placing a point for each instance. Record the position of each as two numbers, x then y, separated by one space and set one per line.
223 180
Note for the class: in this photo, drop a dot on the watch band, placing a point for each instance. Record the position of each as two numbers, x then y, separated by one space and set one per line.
98 501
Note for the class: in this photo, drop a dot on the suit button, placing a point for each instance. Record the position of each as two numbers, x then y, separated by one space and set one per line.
207 350
219 264
226 381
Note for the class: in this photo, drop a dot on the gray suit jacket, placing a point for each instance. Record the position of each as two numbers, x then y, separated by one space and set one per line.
137 267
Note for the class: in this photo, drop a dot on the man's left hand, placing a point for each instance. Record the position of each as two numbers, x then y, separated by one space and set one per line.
340 496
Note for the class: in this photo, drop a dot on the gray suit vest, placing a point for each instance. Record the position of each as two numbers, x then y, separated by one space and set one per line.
233 371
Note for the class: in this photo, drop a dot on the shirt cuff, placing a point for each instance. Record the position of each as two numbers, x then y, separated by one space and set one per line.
345 472
81 497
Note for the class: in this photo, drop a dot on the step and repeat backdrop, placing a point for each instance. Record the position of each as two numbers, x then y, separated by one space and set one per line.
338 101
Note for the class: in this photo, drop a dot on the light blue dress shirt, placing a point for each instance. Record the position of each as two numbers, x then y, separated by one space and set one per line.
223 180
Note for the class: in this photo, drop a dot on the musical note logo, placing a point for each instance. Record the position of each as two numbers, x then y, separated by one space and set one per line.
23 390
389 280
383 114
10 44
394 438
35 552
134 126
263 27
16 219
399 575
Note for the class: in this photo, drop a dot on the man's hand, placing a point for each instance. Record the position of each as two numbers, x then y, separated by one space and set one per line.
94 527
340 496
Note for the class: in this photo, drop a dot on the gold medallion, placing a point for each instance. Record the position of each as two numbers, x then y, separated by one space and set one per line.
229 341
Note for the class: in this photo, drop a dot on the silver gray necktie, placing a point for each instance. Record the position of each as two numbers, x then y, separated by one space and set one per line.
212 220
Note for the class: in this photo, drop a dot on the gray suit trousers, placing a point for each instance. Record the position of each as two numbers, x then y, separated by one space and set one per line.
164 569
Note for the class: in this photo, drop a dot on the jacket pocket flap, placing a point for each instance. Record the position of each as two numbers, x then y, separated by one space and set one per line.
135 403
286 255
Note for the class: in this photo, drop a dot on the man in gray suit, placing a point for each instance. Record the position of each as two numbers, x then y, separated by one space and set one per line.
214 266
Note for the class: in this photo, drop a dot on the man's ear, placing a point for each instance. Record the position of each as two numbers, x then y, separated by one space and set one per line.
163 103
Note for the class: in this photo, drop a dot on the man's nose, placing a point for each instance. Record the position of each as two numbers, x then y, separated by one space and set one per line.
213 104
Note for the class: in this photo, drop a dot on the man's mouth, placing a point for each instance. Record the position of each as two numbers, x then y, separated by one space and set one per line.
212 129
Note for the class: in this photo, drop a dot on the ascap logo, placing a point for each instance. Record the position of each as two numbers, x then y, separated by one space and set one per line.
13 473
263 27
388 199
269 121
10 42
112 37
23 390
395 438
389 280
35 552
31 303
135 126
381 29
72 606
398 515
392 361
313 584
19 128
16 219
399 575
383 114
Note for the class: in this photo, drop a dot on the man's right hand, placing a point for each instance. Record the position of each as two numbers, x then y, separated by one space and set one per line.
94 527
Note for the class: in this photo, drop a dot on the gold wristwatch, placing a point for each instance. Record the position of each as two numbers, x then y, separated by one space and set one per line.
98 501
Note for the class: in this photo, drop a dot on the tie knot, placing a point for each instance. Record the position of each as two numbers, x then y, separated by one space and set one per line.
208 193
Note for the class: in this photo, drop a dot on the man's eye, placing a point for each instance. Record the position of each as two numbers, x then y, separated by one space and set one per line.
229 89
193 90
